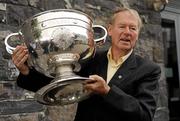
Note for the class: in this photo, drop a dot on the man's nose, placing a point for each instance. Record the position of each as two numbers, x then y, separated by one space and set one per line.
127 30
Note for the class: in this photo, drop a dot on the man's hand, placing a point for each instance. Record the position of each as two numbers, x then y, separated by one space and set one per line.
19 57
97 85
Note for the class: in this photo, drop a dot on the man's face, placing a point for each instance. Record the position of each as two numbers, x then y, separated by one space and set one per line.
124 31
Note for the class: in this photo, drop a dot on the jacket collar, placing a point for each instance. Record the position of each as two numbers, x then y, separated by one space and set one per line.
125 70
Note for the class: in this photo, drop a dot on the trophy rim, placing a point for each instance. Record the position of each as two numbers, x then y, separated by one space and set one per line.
42 93
57 10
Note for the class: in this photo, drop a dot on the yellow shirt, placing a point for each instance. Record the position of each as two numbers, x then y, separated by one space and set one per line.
113 66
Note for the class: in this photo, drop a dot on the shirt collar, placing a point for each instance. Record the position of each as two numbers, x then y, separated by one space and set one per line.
120 60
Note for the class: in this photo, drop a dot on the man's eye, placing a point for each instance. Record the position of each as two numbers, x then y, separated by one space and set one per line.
121 27
133 28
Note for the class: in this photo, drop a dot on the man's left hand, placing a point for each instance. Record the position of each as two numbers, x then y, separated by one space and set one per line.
97 85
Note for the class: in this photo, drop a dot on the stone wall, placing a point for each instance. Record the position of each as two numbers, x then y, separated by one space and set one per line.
17 104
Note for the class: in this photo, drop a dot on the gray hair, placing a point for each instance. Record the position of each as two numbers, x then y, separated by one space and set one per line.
134 12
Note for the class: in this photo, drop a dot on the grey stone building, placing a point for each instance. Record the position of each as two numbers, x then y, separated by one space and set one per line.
158 42
170 35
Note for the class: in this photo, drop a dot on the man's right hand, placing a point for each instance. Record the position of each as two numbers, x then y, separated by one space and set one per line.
19 57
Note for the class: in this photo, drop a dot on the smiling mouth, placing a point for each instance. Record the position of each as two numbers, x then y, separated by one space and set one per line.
125 40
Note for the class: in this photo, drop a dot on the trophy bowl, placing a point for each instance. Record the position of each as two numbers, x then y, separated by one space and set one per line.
57 41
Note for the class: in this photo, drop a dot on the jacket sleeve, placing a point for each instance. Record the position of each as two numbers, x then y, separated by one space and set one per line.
34 81
142 105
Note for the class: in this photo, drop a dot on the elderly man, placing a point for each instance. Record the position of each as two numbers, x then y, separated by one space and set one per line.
125 85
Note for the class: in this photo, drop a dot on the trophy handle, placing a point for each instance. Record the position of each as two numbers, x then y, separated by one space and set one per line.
9 48
101 40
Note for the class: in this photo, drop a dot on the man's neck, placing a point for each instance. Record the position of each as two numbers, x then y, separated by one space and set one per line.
116 54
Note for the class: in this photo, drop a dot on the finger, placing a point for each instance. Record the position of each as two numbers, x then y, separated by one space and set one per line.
22 56
18 56
90 87
21 62
21 50
95 77
91 84
19 47
18 51
90 81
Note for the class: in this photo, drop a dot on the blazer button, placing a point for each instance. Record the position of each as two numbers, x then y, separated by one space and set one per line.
120 76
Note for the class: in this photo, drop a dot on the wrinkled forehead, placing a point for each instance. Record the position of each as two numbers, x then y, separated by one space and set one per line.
132 13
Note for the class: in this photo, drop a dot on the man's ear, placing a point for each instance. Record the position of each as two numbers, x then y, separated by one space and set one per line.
109 29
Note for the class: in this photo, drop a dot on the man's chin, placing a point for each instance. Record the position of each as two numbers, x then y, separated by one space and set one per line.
125 47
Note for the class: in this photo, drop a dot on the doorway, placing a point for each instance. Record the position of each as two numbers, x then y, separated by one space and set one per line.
171 67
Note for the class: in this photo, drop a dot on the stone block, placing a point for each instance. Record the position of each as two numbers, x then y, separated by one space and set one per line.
19 107
36 116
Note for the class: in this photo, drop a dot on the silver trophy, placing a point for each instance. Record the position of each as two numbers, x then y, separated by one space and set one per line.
57 41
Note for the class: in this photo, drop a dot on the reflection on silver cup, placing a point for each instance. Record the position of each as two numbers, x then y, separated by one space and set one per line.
57 40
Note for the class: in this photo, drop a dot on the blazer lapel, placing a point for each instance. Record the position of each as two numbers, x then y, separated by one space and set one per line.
125 70
103 64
